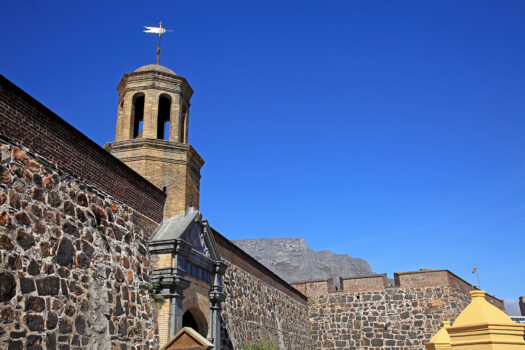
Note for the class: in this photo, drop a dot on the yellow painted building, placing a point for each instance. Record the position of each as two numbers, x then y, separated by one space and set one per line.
481 326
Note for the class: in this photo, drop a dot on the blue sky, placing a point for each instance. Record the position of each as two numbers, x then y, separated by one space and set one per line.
387 130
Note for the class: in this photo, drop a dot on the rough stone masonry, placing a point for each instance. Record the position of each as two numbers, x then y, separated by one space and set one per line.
74 266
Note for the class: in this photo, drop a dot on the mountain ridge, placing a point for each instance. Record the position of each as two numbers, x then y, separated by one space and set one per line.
292 260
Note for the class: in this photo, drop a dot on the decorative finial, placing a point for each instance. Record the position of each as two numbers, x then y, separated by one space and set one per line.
157 30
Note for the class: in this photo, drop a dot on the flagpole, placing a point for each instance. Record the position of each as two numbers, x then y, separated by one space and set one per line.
477 275
158 49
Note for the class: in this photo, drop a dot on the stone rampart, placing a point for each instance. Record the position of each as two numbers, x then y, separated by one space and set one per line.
368 314
74 222
74 267
259 305
25 121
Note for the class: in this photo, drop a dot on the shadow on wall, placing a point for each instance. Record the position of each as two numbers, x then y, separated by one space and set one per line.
226 342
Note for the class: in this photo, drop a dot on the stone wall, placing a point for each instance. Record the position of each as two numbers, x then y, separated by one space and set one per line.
259 305
367 314
74 222
74 267
25 121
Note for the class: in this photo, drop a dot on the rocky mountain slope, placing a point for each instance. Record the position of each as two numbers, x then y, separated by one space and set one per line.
293 261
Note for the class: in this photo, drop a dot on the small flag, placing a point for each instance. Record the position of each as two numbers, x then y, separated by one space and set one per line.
157 30
474 269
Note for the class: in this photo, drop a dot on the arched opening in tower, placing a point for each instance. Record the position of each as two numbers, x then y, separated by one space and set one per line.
138 114
163 121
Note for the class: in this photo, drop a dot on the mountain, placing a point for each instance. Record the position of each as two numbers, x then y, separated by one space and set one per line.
512 307
293 261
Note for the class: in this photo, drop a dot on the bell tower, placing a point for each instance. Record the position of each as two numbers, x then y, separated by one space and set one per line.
152 134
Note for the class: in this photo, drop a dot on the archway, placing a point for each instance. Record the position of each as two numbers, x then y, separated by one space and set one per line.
195 319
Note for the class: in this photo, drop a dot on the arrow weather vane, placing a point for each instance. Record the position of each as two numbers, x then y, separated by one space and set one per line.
157 30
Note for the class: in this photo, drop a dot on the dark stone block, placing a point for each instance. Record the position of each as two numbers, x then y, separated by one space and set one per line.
15 345
118 307
7 286
84 306
37 179
70 310
119 276
24 239
35 303
37 194
377 342
69 208
18 335
87 249
34 322
5 243
75 288
51 341
71 229
82 200
63 338
82 261
48 285
65 291
80 324
22 218
5 220
34 342
6 315
53 199
63 272
81 215
123 328
65 253
52 320
34 268
27 285
64 327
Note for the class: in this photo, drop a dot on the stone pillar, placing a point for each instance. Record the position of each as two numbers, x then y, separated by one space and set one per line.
175 313
187 122
216 298
522 305
125 120
151 115
174 118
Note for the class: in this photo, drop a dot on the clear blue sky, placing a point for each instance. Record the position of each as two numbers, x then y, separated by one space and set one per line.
388 130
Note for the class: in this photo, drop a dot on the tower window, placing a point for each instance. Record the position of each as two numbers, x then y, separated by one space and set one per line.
163 122
138 115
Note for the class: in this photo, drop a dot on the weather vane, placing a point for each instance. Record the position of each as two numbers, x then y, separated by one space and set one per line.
157 30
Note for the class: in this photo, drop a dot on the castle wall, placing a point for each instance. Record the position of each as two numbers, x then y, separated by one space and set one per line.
74 221
27 122
367 314
259 305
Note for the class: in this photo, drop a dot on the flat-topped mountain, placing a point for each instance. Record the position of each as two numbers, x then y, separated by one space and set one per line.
293 261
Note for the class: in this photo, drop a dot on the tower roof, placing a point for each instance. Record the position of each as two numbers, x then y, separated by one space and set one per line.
481 311
155 68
